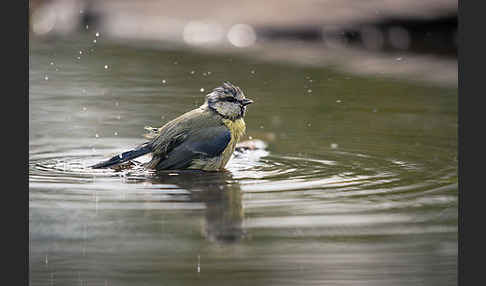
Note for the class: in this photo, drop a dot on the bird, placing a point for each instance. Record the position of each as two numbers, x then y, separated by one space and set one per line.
201 139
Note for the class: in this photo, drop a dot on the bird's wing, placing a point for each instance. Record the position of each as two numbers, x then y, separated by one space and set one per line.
204 143
176 131
152 132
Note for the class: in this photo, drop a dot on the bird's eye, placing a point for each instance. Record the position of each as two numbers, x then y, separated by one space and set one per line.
230 99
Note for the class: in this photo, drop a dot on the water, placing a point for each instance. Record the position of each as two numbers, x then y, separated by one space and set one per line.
357 186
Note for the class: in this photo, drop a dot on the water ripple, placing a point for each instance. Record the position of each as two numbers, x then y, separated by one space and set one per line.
335 183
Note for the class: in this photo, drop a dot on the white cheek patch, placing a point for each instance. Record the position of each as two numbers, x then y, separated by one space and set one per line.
228 109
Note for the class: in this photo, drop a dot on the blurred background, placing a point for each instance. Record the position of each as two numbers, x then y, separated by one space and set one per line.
316 32
353 178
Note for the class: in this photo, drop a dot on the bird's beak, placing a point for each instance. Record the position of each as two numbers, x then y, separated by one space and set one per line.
246 101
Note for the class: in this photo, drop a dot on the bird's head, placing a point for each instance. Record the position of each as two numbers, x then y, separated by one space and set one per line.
228 101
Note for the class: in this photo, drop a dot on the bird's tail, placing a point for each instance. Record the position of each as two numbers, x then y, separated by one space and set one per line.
125 156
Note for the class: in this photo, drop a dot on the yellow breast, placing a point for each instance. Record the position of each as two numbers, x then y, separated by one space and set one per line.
237 129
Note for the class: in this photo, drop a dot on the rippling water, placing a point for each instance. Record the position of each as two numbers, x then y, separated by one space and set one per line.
357 184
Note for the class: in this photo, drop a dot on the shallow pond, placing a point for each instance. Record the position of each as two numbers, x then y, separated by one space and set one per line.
357 184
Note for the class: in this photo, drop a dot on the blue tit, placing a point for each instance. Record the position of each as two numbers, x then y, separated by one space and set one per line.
202 139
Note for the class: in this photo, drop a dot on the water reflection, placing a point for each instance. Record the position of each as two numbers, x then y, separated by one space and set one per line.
221 195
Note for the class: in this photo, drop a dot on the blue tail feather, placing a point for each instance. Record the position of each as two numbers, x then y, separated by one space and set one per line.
124 157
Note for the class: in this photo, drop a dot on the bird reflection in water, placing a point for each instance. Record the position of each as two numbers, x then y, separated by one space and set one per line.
221 195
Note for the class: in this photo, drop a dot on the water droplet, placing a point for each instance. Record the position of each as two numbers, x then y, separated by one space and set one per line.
106 67
96 135
252 72
164 81
94 41
80 52
201 90
46 78
334 145
84 109
97 34
116 133
51 63
249 137
209 72
193 72
309 91
338 101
